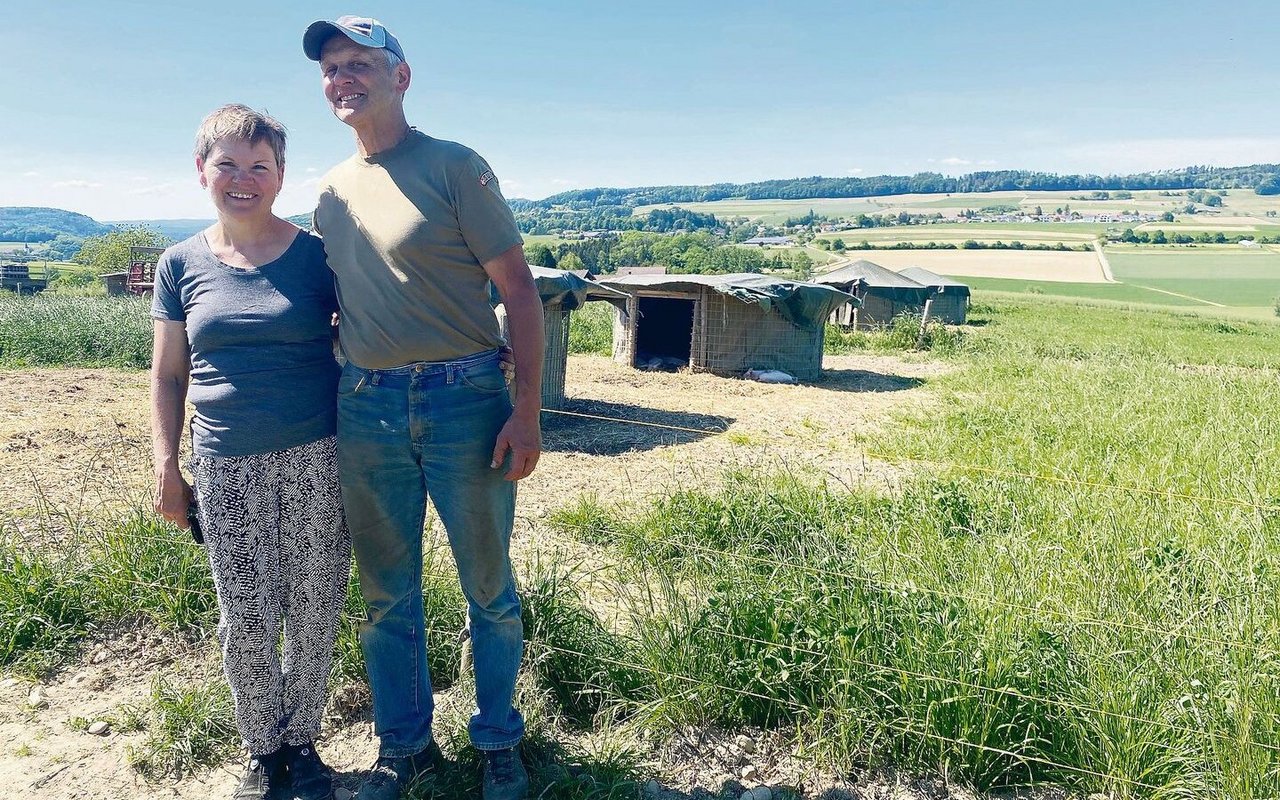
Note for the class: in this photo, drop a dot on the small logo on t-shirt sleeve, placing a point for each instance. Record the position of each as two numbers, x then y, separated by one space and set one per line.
486 177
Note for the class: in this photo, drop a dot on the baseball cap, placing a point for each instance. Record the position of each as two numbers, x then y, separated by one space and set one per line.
366 31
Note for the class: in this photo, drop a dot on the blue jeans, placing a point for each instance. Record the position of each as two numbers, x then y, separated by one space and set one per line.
404 434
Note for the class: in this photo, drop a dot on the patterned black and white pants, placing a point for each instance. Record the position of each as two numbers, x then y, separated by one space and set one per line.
281 556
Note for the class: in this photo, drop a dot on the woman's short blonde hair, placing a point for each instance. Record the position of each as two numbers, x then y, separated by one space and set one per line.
238 121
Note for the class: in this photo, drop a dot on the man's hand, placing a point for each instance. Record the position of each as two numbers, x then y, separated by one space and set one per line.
523 438
172 496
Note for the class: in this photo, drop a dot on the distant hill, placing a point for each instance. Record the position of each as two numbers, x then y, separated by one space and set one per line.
31 224
611 208
173 229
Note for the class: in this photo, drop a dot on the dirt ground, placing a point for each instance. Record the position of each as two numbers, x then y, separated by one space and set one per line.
75 442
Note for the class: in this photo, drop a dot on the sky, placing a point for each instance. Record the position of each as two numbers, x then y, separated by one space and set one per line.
105 95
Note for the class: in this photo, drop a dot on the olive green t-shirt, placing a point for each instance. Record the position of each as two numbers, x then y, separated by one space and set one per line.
406 231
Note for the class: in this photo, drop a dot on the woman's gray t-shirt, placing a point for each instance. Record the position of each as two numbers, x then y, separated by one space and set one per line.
263 374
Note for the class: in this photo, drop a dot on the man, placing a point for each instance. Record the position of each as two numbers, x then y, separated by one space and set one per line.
415 228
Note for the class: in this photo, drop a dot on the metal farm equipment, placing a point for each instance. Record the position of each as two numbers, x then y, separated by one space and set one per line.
142 269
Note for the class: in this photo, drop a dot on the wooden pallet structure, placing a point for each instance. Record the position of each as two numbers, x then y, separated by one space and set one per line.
142 269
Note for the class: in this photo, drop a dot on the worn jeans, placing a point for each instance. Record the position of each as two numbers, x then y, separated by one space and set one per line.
404 434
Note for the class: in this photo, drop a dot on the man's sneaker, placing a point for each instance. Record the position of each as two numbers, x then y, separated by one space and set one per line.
504 775
262 773
309 777
391 776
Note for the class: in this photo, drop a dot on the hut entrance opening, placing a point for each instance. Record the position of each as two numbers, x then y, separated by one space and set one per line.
664 333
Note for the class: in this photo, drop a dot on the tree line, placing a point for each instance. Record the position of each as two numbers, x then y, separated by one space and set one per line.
1263 178
539 220
694 252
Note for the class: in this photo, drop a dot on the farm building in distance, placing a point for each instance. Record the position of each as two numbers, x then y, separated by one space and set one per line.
18 278
561 293
884 294
950 297
724 324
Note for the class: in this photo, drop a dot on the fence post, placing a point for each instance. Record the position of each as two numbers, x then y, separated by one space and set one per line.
924 323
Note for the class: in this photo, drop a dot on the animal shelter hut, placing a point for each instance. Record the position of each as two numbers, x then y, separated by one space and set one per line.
561 293
950 297
723 324
884 294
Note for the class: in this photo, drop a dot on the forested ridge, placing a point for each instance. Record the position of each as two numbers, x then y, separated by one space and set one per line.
1264 178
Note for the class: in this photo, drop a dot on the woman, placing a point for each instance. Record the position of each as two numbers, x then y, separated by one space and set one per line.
242 314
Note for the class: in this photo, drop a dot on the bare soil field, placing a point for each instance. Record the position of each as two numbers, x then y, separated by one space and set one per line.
77 441
1031 265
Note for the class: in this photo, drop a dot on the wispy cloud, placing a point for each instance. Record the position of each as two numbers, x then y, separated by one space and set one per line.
562 182
956 161
31 174
77 184
855 171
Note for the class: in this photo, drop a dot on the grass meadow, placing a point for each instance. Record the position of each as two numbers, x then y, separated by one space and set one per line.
66 330
1074 582
1224 281
1229 276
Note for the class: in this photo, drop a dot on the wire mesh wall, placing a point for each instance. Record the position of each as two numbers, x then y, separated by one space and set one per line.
729 336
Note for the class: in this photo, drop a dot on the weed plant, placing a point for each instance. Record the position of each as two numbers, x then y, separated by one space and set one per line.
69 330
43 608
189 726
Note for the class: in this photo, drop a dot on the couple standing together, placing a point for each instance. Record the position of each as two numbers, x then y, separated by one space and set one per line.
287 480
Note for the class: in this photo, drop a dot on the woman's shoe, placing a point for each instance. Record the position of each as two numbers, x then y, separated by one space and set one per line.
309 777
263 772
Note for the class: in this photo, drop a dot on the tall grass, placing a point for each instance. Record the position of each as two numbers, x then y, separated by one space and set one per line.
591 330
132 568
904 333
67 330
988 627
1078 586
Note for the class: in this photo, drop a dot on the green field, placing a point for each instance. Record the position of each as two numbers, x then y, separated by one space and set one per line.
1242 281
1242 206
1110 292
38 268
1239 278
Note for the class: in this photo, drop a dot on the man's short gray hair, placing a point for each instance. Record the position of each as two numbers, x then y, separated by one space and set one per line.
237 121
392 59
